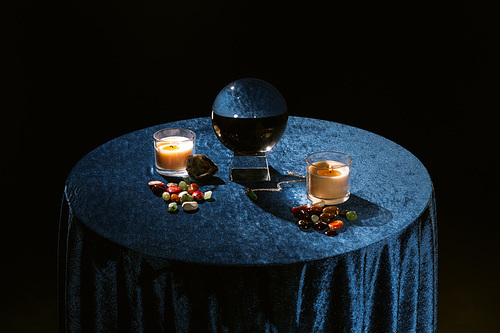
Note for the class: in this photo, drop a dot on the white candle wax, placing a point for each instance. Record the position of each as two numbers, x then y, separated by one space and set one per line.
172 152
329 181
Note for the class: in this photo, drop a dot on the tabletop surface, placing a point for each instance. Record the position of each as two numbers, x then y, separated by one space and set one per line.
107 190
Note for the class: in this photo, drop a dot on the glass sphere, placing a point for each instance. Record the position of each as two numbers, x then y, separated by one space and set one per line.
249 116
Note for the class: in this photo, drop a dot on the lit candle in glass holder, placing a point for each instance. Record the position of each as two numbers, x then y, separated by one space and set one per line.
328 177
172 148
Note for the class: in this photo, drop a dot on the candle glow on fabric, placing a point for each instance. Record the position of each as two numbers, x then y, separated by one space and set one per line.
172 152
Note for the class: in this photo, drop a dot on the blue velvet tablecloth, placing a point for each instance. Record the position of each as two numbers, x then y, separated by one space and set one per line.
235 265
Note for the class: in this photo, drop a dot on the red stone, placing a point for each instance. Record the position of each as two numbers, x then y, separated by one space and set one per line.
174 189
296 210
158 190
198 196
337 224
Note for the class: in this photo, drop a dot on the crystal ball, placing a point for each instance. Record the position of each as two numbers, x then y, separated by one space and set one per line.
249 116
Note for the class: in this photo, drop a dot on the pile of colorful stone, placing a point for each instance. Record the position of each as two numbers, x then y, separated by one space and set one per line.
186 195
321 218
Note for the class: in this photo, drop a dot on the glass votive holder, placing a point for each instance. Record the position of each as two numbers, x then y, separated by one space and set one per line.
328 177
172 148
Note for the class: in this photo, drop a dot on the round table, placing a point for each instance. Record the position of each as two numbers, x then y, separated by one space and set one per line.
237 265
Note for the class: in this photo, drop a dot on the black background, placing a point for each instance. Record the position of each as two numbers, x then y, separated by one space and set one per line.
80 73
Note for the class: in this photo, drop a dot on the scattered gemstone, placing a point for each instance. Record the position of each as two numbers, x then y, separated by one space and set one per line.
183 185
198 196
322 218
166 196
335 225
304 224
207 195
200 166
172 207
320 226
351 216
315 210
190 206
296 210
304 215
186 197
331 210
155 182
183 193
174 189
158 190
251 194
328 217
174 197
192 187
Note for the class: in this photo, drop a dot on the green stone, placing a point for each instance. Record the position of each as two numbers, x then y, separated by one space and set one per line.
251 194
351 216
207 195
172 207
183 185
186 197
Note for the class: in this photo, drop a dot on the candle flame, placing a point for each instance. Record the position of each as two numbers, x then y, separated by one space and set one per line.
330 172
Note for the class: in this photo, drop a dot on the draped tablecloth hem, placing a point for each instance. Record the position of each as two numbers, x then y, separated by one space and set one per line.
389 286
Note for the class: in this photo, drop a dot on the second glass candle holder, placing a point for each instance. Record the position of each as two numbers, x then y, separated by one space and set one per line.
328 177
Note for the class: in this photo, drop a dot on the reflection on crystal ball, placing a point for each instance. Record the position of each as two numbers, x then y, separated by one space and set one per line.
249 116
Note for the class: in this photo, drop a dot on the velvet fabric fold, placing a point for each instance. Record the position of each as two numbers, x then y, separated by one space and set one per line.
127 265
390 286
